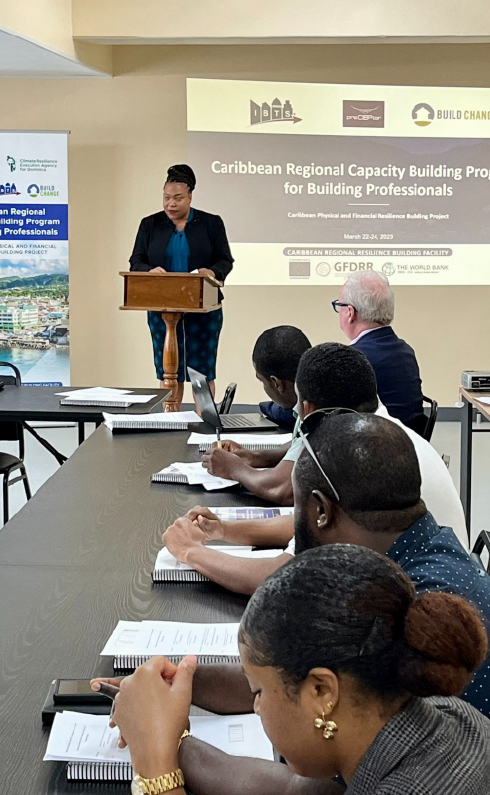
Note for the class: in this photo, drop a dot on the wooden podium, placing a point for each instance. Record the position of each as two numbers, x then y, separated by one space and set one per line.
172 294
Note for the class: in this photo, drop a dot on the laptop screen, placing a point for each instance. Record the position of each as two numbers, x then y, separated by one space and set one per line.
204 399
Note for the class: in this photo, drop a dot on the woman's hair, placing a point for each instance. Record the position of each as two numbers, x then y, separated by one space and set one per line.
182 173
353 611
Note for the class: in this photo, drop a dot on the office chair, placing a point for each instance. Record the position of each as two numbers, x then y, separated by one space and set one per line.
481 543
424 424
229 397
12 432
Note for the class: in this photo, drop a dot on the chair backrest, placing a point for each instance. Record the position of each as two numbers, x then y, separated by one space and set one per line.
229 397
431 419
12 431
482 543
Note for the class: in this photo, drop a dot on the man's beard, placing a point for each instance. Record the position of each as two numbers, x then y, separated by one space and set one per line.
304 538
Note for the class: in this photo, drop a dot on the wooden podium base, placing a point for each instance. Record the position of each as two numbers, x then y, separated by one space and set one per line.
171 359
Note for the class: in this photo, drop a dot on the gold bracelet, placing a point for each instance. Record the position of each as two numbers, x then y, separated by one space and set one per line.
184 735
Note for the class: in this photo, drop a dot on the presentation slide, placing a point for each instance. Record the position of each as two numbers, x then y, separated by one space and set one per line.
316 181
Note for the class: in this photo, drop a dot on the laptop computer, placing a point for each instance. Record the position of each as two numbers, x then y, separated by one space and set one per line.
225 422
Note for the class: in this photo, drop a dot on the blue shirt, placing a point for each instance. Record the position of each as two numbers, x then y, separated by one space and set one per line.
434 560
177 252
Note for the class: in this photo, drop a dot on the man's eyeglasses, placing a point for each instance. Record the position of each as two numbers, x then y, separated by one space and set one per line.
309 423
337 304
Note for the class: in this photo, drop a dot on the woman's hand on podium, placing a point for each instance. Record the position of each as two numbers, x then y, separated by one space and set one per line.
207 272
157 270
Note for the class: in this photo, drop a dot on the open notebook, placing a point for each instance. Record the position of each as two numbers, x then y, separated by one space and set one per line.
133 642
90 747
252 441
191 475
169 569
161 421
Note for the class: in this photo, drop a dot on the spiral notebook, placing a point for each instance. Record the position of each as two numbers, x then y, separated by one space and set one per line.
162 421
169 569
89 745
250 441
133 642
243 513
102 396
191 475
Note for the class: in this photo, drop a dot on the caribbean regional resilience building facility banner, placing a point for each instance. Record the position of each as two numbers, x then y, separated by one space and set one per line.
317 181
34 310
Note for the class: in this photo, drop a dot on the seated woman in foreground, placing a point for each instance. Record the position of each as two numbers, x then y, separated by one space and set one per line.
343 659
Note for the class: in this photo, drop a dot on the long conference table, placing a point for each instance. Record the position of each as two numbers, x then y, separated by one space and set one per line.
76 559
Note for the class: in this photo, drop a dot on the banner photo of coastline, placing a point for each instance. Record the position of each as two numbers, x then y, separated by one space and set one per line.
317 181
34 307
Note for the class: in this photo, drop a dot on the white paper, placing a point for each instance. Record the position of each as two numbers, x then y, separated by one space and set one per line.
165 559
95 391
150 419
245 439
197 475
238 735
172 638
242 513
485 400
77 737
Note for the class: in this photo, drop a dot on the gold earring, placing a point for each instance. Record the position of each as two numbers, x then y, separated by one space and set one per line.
329 726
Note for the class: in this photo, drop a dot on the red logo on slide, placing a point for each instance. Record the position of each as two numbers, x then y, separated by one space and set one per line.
276 111
363 114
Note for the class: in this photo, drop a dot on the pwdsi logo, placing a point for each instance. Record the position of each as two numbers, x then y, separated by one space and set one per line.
276 111
9 189
359 113
423 114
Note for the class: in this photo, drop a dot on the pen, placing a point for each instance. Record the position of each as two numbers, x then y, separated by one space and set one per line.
218 436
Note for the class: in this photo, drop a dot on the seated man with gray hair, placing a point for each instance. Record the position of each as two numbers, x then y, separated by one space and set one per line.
366 306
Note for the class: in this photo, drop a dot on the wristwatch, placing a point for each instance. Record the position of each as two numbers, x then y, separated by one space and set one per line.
154 786
166 783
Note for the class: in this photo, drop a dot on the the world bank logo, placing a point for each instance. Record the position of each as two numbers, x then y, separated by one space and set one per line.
423 114
389 268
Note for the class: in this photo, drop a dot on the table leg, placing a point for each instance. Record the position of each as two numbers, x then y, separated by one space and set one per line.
466 461
81 432
171 359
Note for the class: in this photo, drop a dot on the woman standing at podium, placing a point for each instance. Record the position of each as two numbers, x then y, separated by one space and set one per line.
180 239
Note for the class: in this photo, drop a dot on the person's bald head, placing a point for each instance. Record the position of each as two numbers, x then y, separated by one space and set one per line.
373 466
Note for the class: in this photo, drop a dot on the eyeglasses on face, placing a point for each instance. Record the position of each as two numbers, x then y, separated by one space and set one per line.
308 425
337 304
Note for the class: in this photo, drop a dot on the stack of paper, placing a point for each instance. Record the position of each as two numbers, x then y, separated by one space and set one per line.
78 737
102 396
193 475
172 638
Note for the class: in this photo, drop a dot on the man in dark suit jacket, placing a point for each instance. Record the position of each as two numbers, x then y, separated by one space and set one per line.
366 307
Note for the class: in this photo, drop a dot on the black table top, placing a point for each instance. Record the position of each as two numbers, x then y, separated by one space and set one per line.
75 560
42 403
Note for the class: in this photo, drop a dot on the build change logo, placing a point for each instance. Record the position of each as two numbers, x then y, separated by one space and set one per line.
363 114
276 111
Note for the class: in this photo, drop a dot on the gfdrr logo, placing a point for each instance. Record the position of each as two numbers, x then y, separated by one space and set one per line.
352 267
